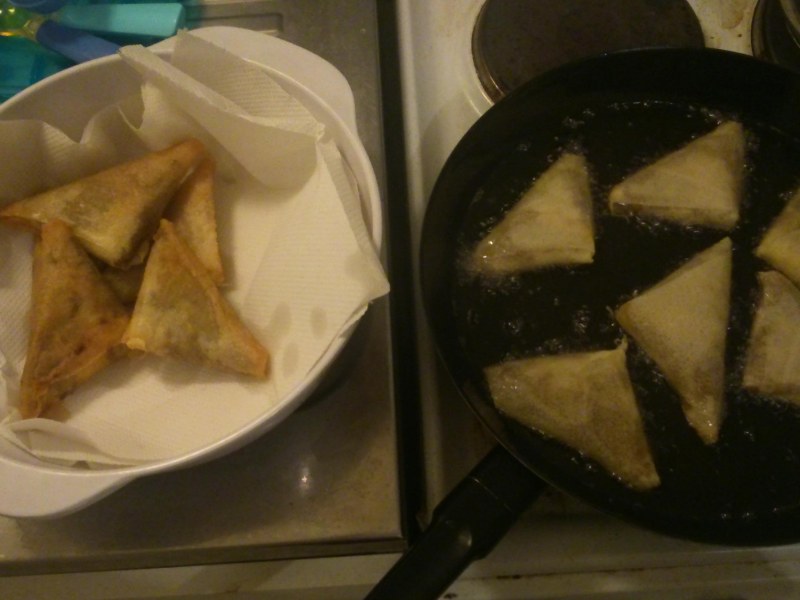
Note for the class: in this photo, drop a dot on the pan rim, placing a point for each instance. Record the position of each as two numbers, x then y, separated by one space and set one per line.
584 76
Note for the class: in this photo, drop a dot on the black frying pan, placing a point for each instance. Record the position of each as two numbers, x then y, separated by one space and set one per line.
622 111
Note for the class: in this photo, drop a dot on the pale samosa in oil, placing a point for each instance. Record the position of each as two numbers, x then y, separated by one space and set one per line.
698 184
584 400
550 225
772 366
681 323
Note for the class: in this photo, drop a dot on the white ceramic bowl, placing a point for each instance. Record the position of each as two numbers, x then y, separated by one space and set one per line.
32 488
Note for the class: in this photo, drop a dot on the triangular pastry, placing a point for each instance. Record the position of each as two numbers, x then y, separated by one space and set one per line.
585 401
780 246
77 322
681 323
550 225
113 212
698 184
194 215
124 282
181 313
772 366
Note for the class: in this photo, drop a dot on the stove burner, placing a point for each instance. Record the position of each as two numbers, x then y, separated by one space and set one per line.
772 37
515 40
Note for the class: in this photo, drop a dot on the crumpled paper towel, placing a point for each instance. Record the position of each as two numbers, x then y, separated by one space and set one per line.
301 267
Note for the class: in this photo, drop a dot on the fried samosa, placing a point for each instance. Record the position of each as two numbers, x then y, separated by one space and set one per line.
698 184
681 324
113 212
780 246
772 365
181 313
551 224
584 400
124 282
77 322
194 216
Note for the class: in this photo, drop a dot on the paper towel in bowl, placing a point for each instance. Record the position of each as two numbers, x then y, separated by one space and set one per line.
301 267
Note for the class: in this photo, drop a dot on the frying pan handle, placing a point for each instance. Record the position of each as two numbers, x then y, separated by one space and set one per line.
466 526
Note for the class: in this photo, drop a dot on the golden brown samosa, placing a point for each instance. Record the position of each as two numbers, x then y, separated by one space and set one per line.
113 212
77 322
586 401
698 184
124 282
194 216
682 323
181 313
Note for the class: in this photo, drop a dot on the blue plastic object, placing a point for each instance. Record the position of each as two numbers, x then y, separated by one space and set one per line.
78 30
24 62
152 19
75 44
